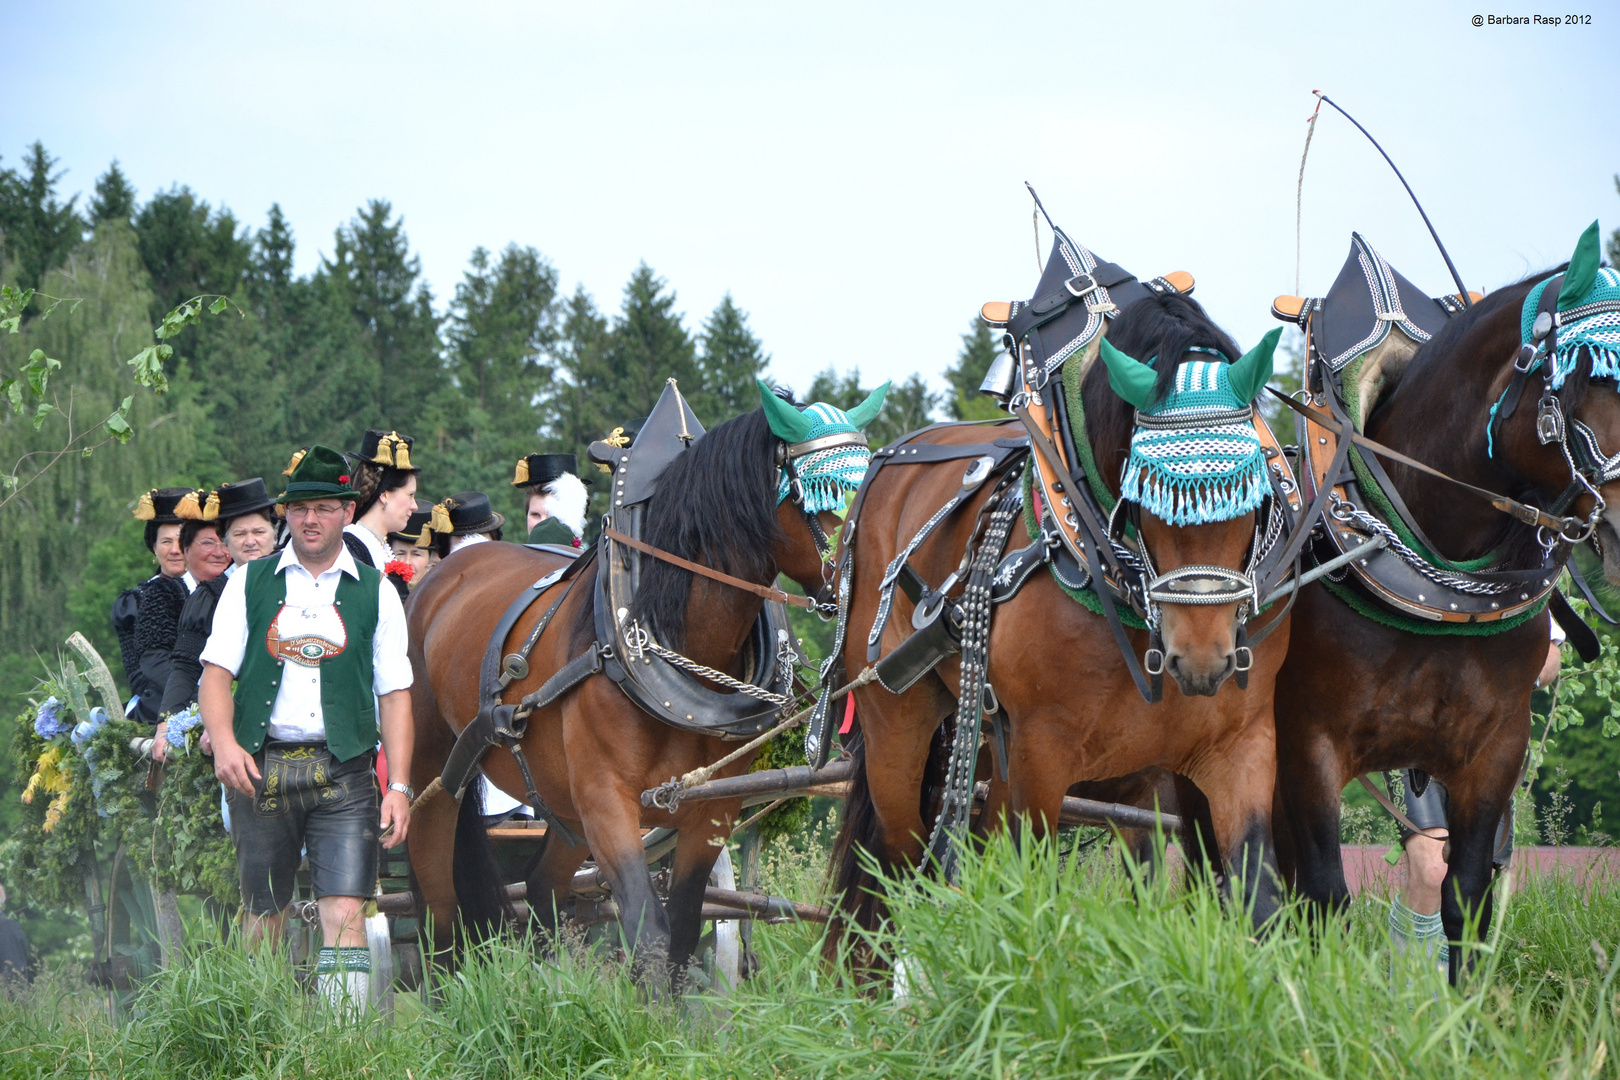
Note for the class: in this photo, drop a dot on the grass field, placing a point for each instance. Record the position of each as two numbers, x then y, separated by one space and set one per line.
1035 966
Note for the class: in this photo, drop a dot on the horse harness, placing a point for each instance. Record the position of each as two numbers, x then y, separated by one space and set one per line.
1087 546
1371 321
660 681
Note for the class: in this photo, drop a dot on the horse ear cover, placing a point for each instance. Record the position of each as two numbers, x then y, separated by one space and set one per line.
867 411
1253 370
1128 377
1582 272
787 422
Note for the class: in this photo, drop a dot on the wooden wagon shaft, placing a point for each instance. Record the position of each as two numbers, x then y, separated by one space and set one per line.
731 904
1091 812
768 784
797 780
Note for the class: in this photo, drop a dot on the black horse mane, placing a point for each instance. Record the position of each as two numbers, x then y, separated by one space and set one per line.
715 505
1153 327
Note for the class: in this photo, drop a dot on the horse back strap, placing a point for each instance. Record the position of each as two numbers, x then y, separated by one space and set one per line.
497 722
765 592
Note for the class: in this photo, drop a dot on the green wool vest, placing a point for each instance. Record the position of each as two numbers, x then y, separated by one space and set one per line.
348 708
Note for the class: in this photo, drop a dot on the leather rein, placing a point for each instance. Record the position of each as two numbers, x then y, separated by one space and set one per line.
1571 529
766 592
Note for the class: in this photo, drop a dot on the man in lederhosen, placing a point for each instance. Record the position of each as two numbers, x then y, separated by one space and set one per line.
310 636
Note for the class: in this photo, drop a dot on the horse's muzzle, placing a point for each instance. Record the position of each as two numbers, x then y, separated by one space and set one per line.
1200 678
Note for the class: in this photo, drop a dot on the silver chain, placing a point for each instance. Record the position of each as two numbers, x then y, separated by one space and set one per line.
638 641
1341 510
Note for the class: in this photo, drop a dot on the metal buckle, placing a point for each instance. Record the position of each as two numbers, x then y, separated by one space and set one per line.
1549 419
1242 658
1092 285
1152 666
1525 362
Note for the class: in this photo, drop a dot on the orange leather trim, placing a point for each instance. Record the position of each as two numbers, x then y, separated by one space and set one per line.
1182 280
996 312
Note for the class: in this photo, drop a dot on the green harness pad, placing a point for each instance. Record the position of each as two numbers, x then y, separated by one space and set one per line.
1369 608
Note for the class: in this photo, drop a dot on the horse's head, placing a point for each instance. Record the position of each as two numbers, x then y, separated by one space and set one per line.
821 457
1566 442
1193 480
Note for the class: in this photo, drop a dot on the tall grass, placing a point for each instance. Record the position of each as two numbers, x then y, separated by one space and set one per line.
1032 966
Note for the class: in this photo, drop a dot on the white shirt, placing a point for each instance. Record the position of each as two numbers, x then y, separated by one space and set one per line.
190 581
296 715
459 542
380 552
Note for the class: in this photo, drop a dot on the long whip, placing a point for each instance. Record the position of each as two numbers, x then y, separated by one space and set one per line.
1462 290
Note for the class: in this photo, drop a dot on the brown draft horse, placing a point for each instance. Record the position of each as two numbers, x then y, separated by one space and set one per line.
593 752
1074 711
1355 696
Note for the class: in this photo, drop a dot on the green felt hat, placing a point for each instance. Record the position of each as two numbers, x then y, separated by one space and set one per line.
321 473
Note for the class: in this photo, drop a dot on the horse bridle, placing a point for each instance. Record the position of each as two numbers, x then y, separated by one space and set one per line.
1589 467
786 455
1198 584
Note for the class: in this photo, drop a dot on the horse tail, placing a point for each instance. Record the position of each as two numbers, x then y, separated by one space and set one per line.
859 899
480 896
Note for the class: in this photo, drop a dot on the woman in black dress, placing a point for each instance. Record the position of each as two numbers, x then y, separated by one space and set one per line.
157 509
243 515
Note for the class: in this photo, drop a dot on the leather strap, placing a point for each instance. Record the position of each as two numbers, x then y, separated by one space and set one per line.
1586 592
764 591
1530 515
567 677
1389 804
1090 552
1583 637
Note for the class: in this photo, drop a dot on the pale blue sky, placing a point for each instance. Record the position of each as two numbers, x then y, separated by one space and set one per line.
850 172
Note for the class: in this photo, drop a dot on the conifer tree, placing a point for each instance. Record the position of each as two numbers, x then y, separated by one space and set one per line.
115 197
500 331
647 346
373 274
732 358
909 404
37 229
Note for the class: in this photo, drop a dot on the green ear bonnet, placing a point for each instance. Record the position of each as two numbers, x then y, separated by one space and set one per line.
1195 457
824 475
1587 285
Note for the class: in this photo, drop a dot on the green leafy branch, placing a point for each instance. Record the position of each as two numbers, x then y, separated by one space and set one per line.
31 395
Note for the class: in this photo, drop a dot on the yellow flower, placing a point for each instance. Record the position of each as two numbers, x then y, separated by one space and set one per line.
49 776
53 815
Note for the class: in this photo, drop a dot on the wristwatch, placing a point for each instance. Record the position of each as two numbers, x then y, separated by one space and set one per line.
404 789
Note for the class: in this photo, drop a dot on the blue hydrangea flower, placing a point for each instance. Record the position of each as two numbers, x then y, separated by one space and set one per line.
181 723
48 722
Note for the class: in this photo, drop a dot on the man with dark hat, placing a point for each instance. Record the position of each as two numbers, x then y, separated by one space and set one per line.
462 520
413 545
157 509
554 498
315 642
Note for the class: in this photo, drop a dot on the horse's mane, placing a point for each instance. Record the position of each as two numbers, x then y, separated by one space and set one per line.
1153 327
715 505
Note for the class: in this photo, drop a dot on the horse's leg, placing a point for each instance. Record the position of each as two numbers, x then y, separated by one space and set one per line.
695 854
1310 782
550 878
1238 777
1476 801
1041 762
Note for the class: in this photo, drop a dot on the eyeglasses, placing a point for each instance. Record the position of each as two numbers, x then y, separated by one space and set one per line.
300 510
208 543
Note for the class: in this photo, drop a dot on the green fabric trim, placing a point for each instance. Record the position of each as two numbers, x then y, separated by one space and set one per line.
1370 609
1374 494
1086 598
1082 442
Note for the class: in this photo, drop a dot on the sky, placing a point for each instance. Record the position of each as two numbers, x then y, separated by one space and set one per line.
851 173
